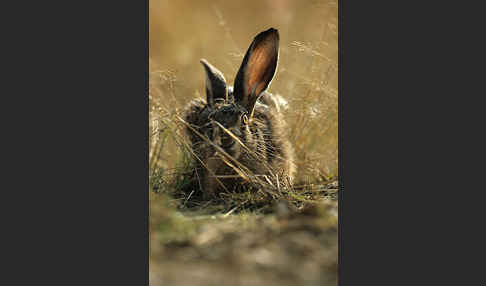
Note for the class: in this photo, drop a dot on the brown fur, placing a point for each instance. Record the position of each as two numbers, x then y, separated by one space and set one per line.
250 114
267 135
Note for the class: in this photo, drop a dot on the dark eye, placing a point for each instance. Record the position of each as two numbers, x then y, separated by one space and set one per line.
245 119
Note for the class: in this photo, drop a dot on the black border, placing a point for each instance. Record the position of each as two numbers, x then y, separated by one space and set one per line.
80 216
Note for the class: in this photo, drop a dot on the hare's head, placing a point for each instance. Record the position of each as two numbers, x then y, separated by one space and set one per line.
229 111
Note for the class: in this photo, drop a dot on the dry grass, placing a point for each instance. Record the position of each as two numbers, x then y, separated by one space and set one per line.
182 32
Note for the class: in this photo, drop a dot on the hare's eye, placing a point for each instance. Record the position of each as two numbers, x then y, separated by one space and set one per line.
245 119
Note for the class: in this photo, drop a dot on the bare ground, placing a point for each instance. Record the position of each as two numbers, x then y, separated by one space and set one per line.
291 246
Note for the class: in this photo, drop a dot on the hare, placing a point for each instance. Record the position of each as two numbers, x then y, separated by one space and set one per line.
239 134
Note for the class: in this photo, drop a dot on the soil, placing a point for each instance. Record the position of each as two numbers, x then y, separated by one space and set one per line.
291 246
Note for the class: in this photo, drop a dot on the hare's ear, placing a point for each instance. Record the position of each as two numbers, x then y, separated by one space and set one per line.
258 68
215 83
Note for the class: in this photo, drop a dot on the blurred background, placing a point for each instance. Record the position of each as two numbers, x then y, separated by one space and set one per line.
181 32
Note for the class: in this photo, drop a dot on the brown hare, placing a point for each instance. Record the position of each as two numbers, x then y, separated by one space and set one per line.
239 135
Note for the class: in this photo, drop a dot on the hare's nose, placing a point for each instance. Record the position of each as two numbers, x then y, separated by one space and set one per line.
216 136
217 141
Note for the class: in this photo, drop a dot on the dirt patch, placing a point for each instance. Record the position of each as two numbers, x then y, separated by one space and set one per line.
292 246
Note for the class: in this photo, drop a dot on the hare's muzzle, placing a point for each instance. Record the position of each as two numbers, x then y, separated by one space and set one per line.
227 141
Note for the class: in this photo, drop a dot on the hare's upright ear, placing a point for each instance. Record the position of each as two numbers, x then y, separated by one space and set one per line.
215 83
258 68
